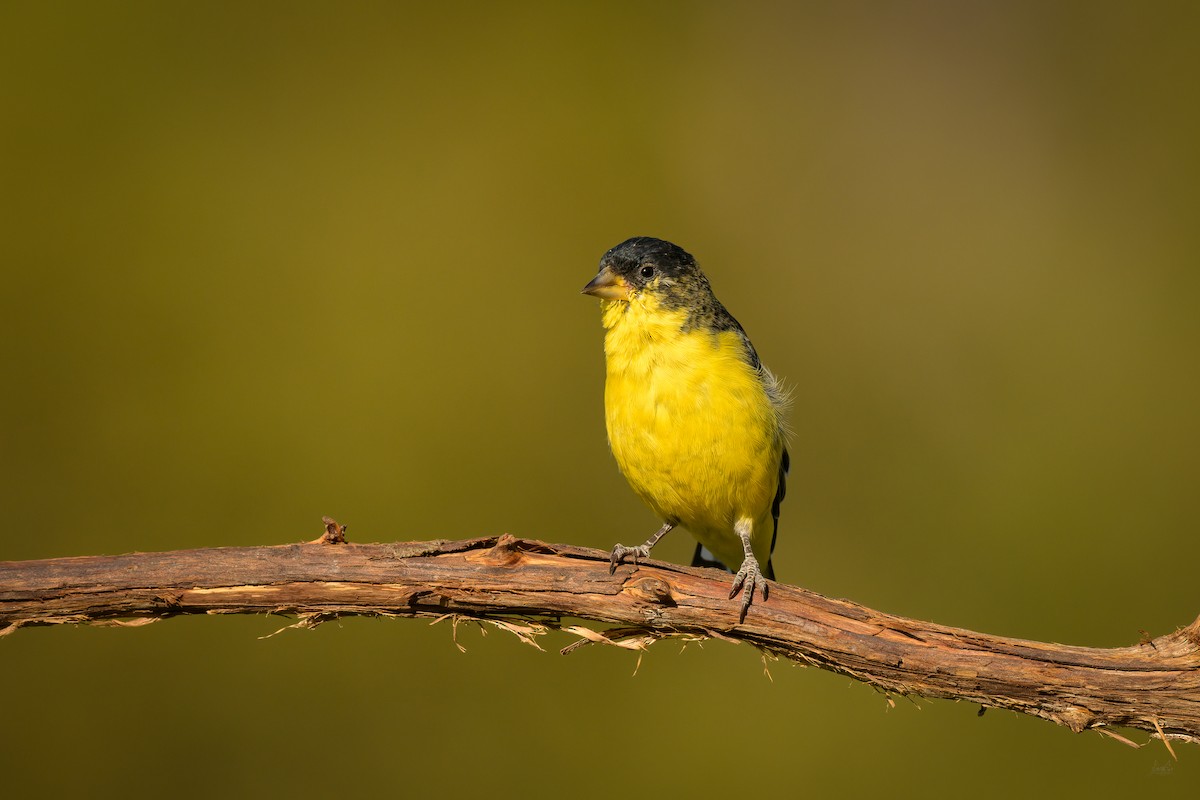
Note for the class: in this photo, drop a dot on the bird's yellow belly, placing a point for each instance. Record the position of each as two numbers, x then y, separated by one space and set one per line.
697 438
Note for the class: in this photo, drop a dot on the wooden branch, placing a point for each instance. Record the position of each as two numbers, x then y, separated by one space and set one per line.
529 586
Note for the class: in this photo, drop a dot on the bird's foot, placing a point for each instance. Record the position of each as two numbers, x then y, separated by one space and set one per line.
620 551
748 576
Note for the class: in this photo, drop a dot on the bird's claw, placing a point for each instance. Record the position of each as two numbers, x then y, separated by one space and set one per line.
749 576
620 551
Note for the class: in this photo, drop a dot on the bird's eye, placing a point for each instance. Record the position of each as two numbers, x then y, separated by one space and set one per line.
647 272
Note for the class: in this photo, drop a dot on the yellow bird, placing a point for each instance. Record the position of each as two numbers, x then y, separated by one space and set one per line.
694 419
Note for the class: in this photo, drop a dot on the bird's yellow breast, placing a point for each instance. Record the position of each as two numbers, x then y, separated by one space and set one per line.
691 424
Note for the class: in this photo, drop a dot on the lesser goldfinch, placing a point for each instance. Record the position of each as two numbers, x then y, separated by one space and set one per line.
694 419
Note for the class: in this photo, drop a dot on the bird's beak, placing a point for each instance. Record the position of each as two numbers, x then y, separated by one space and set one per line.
608 285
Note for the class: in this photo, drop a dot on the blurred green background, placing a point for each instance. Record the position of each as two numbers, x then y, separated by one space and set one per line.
264 262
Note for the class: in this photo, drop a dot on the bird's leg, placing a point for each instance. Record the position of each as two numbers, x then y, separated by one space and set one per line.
641 551
749 573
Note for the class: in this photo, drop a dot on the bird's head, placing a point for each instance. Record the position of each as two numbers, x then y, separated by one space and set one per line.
645 267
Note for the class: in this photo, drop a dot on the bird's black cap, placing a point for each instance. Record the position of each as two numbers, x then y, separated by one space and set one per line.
629 255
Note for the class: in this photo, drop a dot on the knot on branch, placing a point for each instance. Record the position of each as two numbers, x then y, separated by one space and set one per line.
652 590
504 553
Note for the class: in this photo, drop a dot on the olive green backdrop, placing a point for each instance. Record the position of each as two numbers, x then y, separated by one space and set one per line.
268 261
